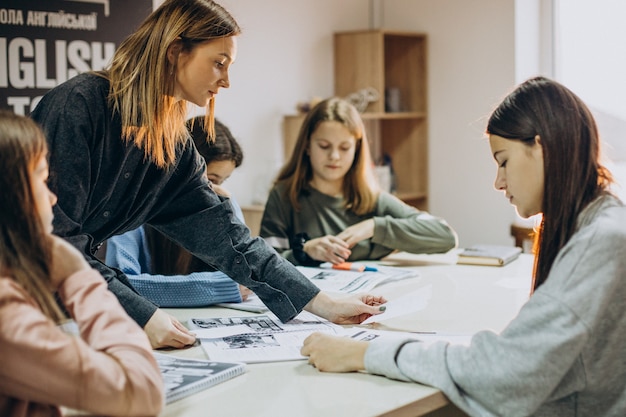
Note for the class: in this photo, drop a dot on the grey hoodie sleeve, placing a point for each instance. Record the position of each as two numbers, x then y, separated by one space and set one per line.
564 351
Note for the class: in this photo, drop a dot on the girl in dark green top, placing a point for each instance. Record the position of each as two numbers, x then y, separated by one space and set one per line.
326 205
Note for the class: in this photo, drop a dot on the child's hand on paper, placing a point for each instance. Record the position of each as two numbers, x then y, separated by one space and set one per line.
245 292
164 330
334 354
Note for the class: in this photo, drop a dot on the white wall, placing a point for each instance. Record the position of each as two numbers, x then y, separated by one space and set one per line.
591 62
591 58
285 56
471 68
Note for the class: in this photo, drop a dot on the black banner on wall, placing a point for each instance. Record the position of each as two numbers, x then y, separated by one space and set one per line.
45 42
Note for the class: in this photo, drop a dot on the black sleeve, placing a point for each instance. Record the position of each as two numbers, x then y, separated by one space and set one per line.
205 224
72 115
136 306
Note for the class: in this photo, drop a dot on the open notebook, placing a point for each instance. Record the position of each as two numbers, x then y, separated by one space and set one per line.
183 376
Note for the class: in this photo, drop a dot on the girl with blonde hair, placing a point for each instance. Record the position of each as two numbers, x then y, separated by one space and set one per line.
326 205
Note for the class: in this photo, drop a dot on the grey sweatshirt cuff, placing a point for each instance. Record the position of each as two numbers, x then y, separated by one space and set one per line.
381 355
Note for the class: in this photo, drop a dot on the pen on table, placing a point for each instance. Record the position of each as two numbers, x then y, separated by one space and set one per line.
349 266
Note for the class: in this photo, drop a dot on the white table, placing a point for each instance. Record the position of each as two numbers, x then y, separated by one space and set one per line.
464 299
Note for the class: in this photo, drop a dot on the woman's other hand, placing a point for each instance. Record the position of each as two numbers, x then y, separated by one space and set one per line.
220 190
164 330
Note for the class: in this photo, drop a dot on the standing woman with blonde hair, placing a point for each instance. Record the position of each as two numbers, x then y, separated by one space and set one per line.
326 205
109 368
121 156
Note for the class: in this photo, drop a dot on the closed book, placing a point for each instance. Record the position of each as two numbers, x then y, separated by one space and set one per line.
183 377
491 255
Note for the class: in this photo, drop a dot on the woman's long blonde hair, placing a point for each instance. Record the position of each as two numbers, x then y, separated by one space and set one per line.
25 248
360 188
142 81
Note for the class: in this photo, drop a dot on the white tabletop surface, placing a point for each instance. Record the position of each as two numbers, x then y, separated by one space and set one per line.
465 299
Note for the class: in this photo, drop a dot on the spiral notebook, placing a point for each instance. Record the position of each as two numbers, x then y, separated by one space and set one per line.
183 376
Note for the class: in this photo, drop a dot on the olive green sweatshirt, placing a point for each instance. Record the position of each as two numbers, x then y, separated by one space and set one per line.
398 226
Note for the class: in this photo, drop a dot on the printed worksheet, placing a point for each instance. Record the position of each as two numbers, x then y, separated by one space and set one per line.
261 338
334 280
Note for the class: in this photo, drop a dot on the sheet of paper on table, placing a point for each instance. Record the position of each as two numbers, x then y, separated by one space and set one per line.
408 303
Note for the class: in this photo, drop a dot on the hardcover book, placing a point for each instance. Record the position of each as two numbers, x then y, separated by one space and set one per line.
183 376
495 255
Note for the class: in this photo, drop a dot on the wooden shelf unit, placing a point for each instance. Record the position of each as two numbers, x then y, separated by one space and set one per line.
390 60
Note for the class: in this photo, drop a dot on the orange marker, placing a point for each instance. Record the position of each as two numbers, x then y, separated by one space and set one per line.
349 266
